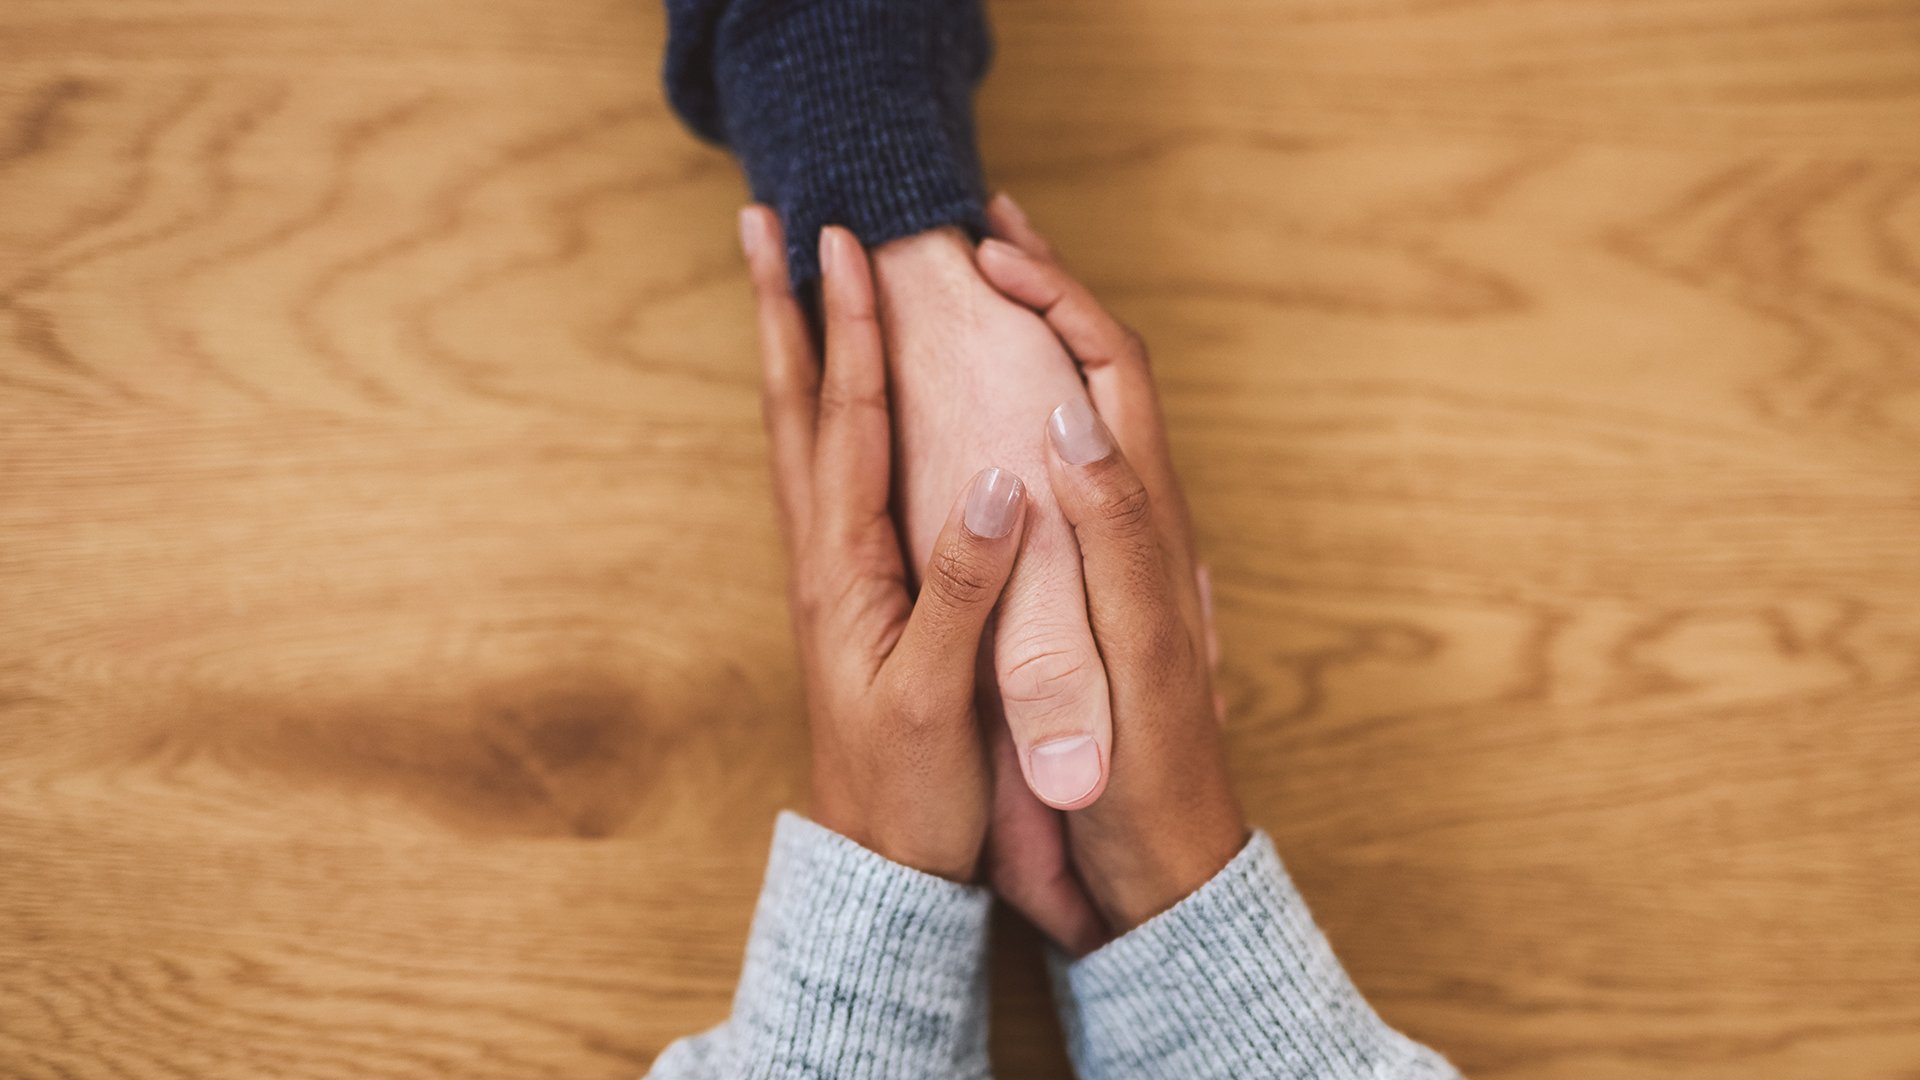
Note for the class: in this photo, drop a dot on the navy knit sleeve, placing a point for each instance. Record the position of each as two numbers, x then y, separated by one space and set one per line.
842 112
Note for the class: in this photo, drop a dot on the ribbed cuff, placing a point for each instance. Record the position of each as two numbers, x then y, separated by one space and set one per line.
1233 981
854 112
859 967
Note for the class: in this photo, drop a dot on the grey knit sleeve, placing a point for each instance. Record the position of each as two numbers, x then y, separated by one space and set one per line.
857 968
1233 981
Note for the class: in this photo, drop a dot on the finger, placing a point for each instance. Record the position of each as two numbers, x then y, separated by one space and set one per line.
1203 584
1052 679
1096 339
852 454
1139 606
971 562
790 383
1027 858
1113 360
1008 221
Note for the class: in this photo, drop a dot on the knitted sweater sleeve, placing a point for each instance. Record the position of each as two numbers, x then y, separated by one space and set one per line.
1233 981
857 968
849 112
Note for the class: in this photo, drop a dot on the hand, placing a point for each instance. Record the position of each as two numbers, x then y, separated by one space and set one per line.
973 377
1168 820
898 765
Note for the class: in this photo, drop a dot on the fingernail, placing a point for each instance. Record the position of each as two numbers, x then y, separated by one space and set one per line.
750 232
993 505
1078 433
1064 770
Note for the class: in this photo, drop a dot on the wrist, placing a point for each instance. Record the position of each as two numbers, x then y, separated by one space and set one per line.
945 846
925 264
1133 873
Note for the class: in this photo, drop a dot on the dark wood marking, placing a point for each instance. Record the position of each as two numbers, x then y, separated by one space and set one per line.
40 123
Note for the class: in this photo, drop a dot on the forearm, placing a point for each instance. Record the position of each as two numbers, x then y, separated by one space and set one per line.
849 112
857 968
1233 981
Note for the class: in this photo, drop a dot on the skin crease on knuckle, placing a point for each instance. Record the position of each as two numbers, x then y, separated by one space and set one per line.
961 573
904 717
821 586
837 572
837 402
1045 671
1122 505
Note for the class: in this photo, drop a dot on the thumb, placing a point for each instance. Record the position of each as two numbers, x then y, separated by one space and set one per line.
972 560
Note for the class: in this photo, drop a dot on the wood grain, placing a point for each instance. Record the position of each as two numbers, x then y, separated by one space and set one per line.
393 675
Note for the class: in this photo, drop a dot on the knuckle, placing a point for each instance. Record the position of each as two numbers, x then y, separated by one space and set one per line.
908 714
863 317
1046 673
1132 345
820 586
837 399
1124 506
961 575
850 323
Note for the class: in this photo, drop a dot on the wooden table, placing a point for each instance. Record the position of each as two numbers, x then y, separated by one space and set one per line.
394 680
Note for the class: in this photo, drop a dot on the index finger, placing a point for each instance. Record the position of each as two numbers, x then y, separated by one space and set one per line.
1136 603
790 371
1113 360
969 568
852 451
